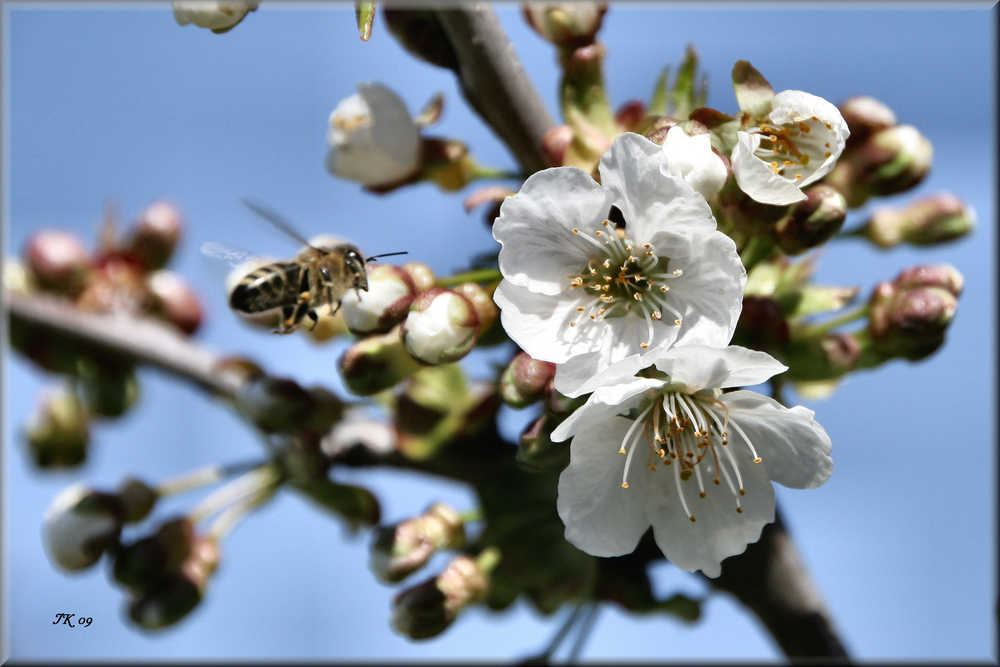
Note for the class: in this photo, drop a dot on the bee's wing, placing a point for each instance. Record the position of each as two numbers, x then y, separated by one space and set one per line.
230 254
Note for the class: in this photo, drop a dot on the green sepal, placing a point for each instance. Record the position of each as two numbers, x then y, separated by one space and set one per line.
357 505
812 299
685 99
753 92
721 127
364 12
661 96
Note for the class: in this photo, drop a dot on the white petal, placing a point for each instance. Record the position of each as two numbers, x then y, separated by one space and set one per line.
703 367
755 177
718 531
795 449
601 517
606 402
535 226
691 157
540 324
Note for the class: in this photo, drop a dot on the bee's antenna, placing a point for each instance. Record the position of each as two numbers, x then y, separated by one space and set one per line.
388 254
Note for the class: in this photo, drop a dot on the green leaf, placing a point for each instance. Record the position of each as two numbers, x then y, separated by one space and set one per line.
661 97
753 92
684 93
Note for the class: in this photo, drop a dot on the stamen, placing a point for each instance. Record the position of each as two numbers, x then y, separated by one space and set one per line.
680 493
631 447
756 459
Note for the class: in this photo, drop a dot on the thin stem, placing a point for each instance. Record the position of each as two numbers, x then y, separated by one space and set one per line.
235 492
584 633
481 171
231 516
204 477
474 276
560 635
846 318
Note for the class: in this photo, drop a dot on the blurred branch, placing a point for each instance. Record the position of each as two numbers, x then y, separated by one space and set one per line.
137 339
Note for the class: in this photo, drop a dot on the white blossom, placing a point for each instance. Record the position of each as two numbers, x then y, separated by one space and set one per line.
690 156
372 137
674 452
220 15
584 295
78 525
798 144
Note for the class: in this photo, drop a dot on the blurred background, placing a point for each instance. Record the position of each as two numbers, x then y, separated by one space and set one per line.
117 103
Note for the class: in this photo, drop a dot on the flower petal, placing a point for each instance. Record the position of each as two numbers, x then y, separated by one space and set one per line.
540 324
535 228
601 517
795 449
606 402
756 178
704 367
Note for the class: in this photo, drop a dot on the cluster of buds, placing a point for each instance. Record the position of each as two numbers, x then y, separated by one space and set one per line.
401 549
408 323
125 275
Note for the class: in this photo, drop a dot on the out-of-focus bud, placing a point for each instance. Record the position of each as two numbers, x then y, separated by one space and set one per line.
116 285
421 275
555 144
827 357
107 389
137 499
938 275
892 160
373 139
358 430
57 260
157 231
537 452
441 328
482 302
175 301
384 305
274 404
376 363
525 380
327 409
147 563
219 16
927 221
427 609
864 116
58 431
631 116
447 162
400 550
689 153
762 324
177 595
79 525
909 322
813 221
566 24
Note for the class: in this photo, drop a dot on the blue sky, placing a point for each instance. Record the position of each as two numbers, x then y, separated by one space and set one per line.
118 103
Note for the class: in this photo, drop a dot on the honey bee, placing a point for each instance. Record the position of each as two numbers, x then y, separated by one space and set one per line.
317 276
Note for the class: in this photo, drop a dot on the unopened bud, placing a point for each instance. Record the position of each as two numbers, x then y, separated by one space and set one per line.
927 221
384 305
482 302
824 358
893 160
421 275
107 389
219 16
157 231
813 221
937 275
57 261
565 24
80 525
137 499
402 549
447 162
441 327
525 380
537 452
909 322
864 116
58 431
555 143
177 595
147 563
274 404
427 609
175 300
376 363
762 324
689 155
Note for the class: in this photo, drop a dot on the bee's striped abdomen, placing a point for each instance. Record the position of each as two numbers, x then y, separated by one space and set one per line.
272 286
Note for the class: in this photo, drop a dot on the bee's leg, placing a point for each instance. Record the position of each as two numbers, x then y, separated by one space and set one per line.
301 310
315 318
288 321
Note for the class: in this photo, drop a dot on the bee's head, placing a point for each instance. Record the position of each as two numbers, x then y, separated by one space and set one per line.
356 267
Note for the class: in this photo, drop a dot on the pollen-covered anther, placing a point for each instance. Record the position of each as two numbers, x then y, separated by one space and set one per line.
576 282
677 322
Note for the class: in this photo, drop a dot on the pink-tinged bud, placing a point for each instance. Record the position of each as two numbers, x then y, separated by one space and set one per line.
116 285
927 221
400 550
525 380
274 404
376 363
631 115
824 358
384 305
892 160
555 143
441 328
58 431
57 260
157 231
427 609
80 525
566 24
175 300
813 221
482 302
421 275
939 275
909 322
177 595
864 116
147 563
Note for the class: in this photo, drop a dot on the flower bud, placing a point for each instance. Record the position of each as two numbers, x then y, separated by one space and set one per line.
762 324
427 609
909 322
274 404
893 160
79 525
175 301
441 328
482 302
137 500
358 431
865 116
689 153
57 431
384 305
447 162
525 380
107 389
827 357
566 24
537 452
813 221
157 230
940 275
376 363
555 144
178 595
116 285
373 139
58 261
219 16
927 221
631 116
400 550
421 275
146 563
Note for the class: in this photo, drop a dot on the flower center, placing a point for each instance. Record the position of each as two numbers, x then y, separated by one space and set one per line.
622 279
682 430
792 148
